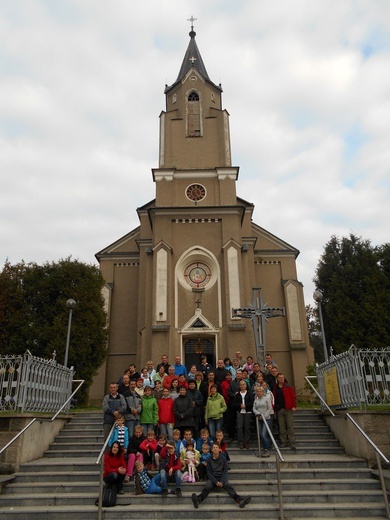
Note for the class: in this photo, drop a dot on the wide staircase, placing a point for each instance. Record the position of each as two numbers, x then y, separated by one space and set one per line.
318 481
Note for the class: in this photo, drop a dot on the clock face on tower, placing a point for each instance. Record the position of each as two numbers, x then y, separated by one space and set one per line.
196 192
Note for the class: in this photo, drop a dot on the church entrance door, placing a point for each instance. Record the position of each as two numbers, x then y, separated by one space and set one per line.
195 347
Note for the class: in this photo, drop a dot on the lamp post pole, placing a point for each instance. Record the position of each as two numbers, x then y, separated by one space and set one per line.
71 304
318 297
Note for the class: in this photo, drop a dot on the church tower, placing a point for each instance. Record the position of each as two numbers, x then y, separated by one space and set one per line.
172 282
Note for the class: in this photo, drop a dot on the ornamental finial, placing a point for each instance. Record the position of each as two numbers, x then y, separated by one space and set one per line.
192 20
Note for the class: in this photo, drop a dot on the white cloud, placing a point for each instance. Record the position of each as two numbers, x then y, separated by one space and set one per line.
81 89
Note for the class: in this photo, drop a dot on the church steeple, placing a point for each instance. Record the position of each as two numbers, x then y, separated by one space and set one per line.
192 59
194 128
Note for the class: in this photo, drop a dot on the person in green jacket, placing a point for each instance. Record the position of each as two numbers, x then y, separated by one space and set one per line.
215 407
149 413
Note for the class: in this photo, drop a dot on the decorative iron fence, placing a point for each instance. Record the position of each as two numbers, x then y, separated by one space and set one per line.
32 384
356 377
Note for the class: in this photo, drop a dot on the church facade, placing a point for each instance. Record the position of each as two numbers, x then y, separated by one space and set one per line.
172 282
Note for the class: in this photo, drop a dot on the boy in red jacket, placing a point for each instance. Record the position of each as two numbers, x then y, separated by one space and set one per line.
172 469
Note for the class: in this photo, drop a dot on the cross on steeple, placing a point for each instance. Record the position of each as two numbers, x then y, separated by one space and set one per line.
192 59
192 20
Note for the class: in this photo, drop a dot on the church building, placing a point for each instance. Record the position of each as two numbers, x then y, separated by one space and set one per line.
172 282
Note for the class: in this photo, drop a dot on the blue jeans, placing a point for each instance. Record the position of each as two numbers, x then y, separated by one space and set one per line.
214 425
130 426
147 427
164 477
155 485
264 435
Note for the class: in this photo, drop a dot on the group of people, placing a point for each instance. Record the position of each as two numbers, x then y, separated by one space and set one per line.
169 420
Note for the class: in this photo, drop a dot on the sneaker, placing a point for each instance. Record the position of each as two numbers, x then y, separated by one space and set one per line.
165 493
246 445
120 492
178 492
195 501
265 453
127 479
244 501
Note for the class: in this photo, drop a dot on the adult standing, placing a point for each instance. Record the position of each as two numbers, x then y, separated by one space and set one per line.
243 404
220 371
285 405
113 404
133 408
272 378
134 375
125 384
233 390
215 408
262 407
160 374
204 367
183 410
205 387
179 368
150 374
197 399
239 358
164 363
167 381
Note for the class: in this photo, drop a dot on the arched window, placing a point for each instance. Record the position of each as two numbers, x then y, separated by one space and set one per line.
193 114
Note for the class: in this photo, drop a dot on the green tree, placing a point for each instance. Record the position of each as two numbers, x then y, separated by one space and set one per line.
34 316
314 329
354 278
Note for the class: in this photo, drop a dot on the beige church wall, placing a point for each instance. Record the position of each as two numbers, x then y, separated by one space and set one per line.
123 320
190 152
227 194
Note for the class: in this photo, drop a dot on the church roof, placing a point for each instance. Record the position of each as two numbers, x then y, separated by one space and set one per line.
192 60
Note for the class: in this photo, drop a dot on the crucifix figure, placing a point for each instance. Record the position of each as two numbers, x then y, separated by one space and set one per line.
259 314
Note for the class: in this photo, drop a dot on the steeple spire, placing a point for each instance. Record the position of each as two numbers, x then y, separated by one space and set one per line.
192 59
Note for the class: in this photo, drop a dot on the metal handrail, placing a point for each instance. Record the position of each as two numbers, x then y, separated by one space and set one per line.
43 419
100 461
378 452
278 457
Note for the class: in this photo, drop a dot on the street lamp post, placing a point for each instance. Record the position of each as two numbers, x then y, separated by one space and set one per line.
71 304
318 297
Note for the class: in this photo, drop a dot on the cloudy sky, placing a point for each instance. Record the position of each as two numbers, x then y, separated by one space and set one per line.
306 83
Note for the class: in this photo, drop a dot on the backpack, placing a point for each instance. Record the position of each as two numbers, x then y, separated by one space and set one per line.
109 497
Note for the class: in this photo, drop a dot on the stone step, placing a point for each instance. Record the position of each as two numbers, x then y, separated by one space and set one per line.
74 454
92 485
56 498
318 481
64 434
312 475
183 509
76 445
